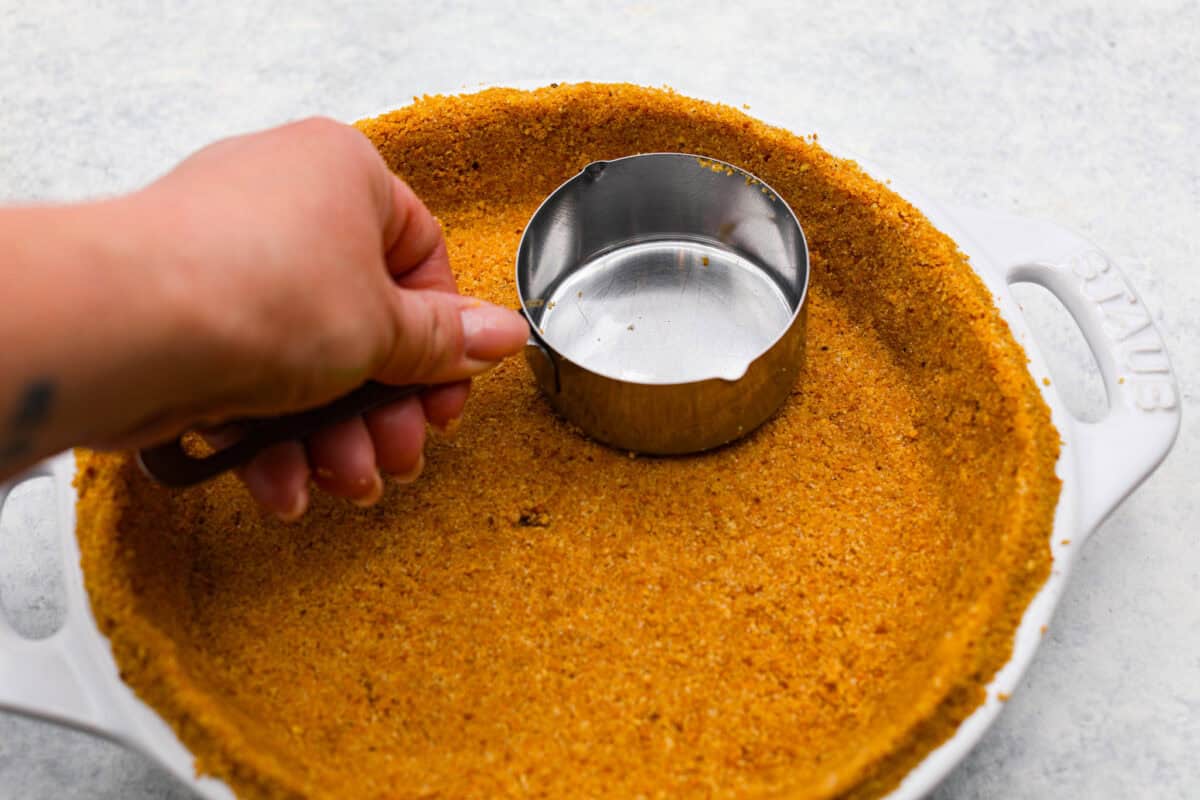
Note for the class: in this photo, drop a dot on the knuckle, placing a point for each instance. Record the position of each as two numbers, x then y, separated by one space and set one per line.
433 351
318 126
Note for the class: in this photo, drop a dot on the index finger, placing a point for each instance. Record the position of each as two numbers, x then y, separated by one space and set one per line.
415 247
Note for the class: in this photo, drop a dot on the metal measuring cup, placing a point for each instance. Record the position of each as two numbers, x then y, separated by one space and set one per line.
666 295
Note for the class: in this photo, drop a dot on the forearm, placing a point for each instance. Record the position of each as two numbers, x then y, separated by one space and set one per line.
94 342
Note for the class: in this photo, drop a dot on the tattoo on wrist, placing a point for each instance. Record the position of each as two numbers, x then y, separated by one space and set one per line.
32 411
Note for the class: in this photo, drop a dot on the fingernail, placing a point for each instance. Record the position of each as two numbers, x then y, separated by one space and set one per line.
448 430
414 473
371 497
492 332
298 508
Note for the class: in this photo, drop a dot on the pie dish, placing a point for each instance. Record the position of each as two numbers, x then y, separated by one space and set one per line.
806 613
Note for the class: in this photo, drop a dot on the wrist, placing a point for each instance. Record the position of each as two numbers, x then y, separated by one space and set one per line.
97 331
187 367
147 346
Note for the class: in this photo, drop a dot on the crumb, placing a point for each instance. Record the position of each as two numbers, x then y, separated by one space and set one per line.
534 517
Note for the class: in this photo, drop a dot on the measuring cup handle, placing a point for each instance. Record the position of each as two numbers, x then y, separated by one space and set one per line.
171 465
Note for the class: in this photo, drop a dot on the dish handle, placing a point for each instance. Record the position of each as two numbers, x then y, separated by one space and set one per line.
48 678
1116 453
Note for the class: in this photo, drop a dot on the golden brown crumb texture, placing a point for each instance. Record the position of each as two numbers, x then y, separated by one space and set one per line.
803 614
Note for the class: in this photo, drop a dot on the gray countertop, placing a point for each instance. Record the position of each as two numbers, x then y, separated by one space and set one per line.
1087 114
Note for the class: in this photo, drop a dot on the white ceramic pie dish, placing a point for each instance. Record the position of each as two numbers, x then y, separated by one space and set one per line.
71 678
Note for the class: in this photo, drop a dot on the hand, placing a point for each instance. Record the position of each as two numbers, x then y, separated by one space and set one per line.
302 267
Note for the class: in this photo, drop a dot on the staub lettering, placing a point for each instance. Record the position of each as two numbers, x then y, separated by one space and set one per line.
1142 358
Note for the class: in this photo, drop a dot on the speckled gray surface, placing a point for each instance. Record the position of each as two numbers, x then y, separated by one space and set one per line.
1086 113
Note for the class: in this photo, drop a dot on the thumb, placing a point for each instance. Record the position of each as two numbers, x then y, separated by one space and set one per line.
441 337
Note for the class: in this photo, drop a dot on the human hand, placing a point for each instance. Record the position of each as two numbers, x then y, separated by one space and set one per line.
301 267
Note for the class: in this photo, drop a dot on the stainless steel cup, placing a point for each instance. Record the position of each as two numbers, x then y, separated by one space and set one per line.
666 295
